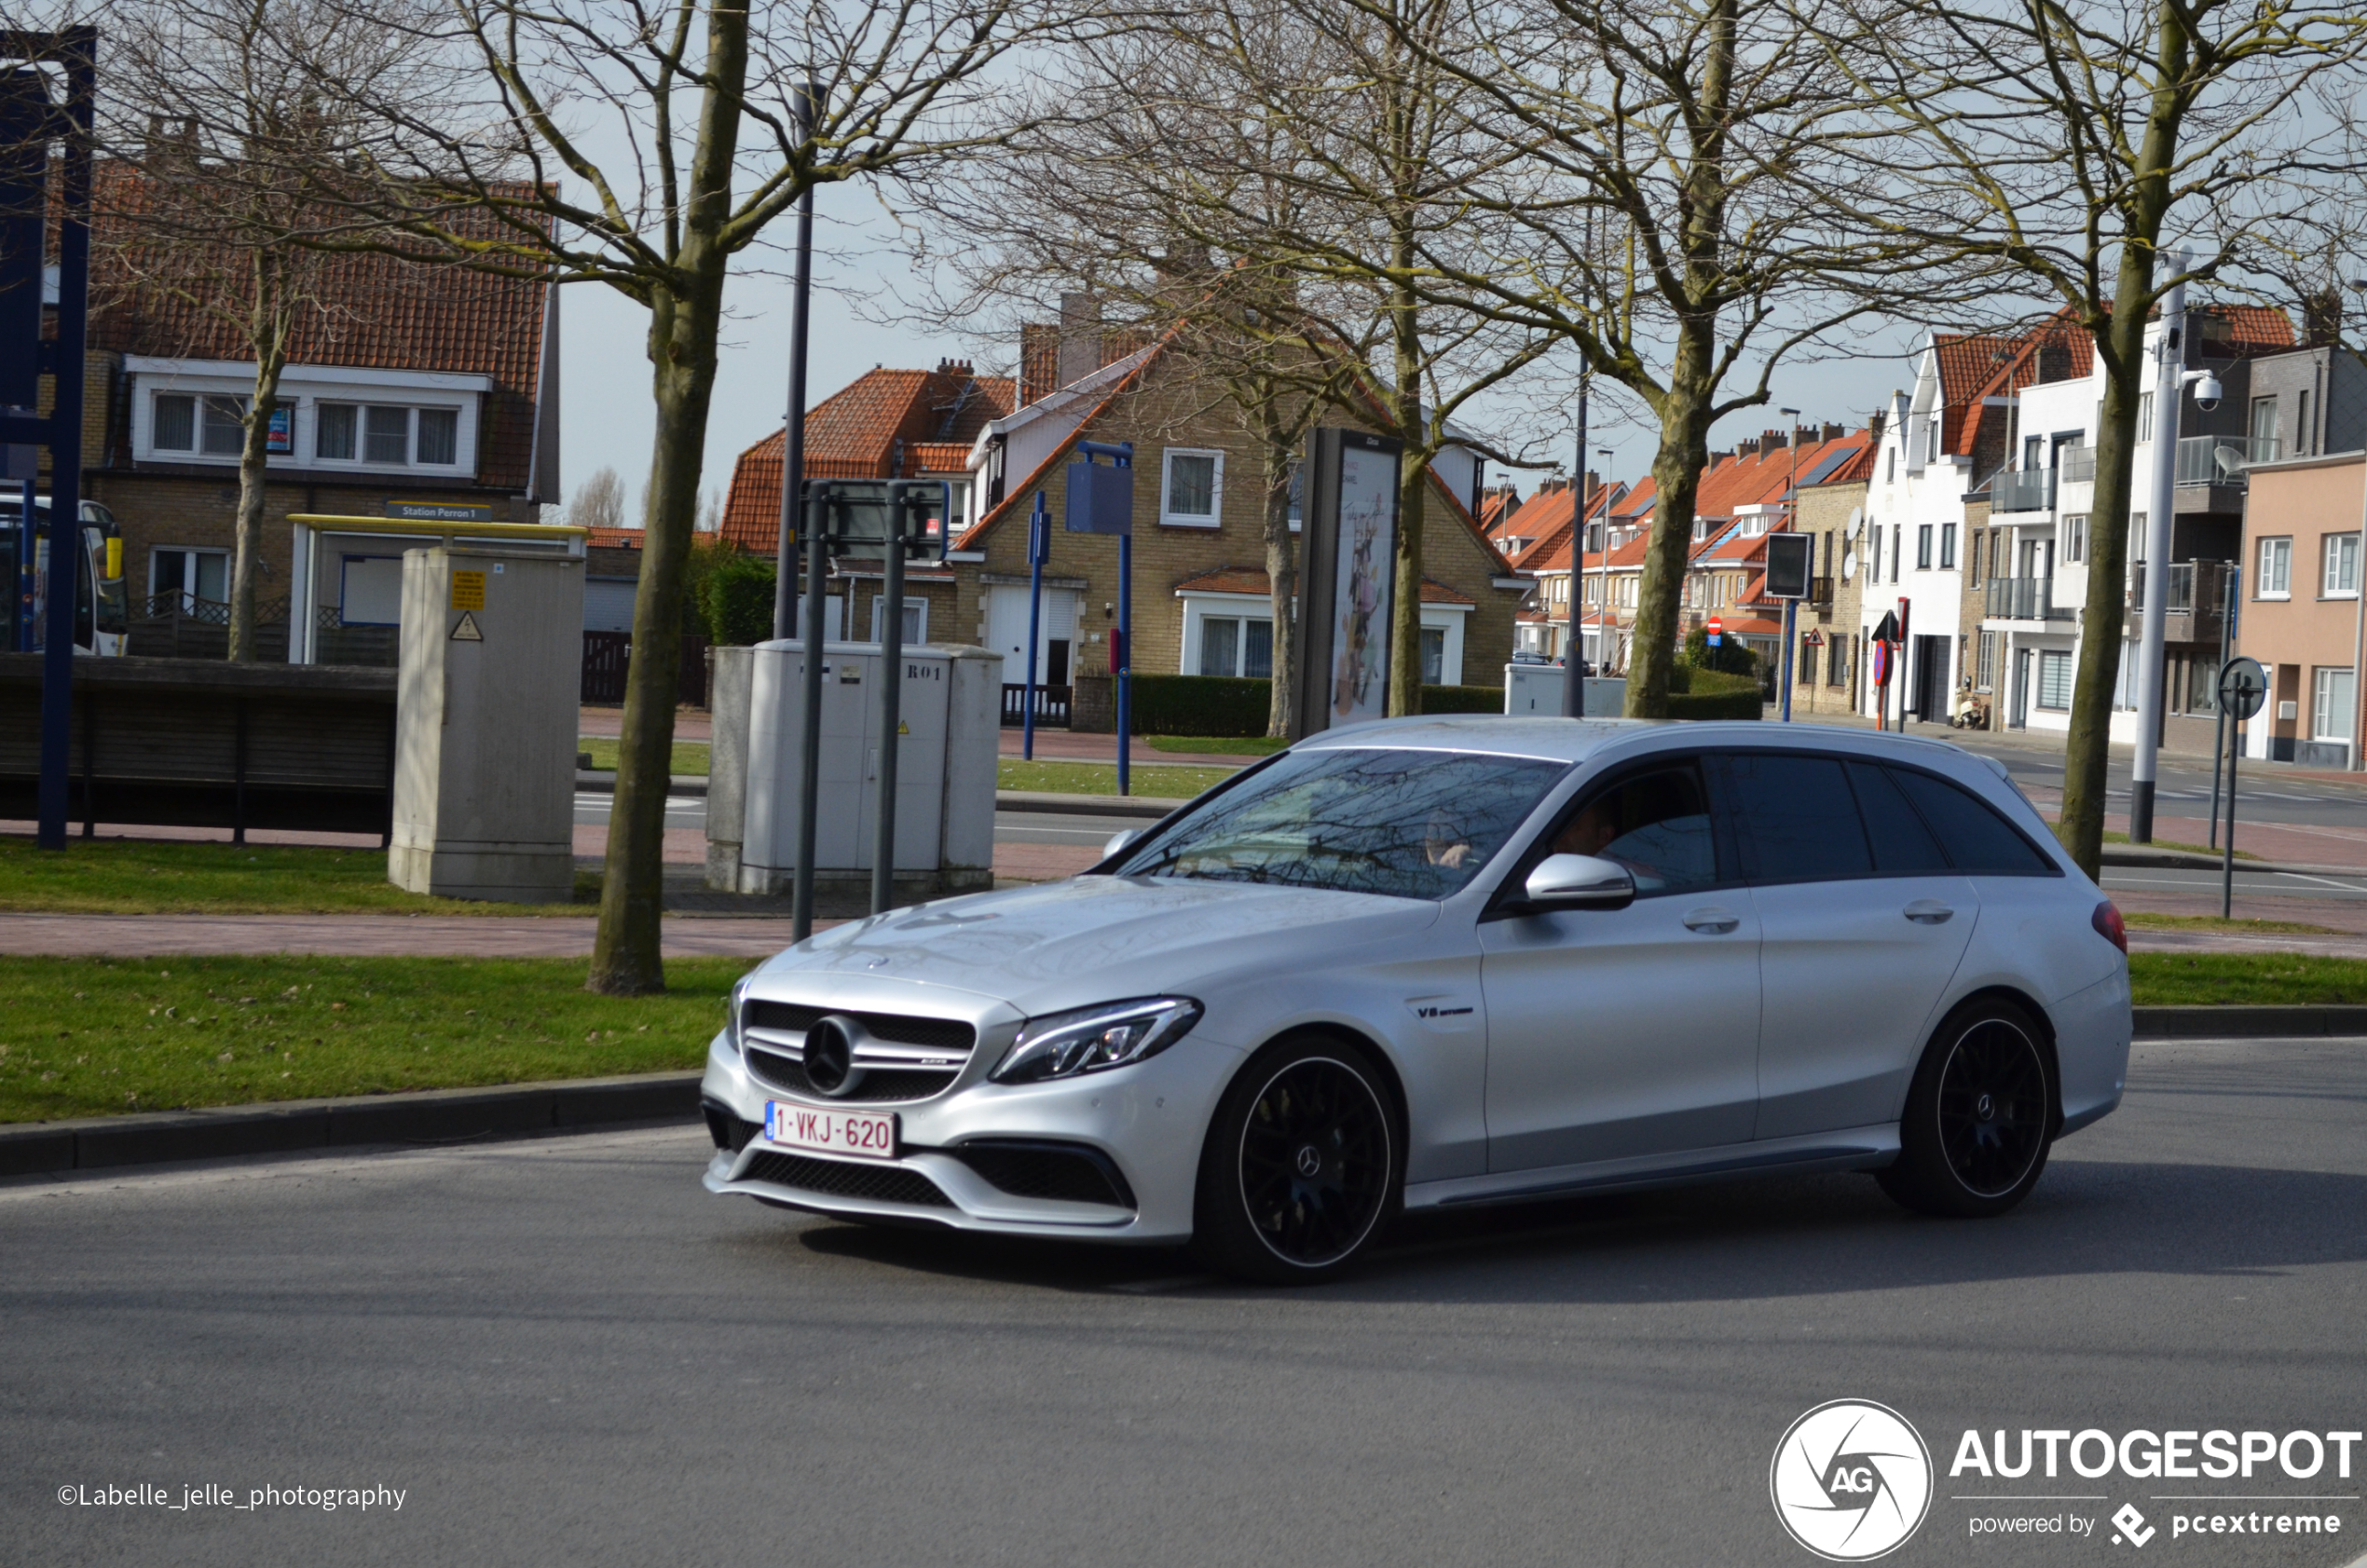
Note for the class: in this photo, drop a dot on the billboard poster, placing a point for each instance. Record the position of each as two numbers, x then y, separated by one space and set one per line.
1363 573
281 434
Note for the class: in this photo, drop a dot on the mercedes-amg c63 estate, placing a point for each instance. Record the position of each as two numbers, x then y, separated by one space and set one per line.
1433 962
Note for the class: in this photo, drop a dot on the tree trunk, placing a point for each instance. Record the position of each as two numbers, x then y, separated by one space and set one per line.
272 323
1281 568
2120 344
1405 596
684 321
1677 476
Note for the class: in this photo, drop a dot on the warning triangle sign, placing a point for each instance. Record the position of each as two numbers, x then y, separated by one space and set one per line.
467 630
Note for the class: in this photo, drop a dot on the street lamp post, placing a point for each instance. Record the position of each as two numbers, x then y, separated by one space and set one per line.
1791 515
1573 667
1602 644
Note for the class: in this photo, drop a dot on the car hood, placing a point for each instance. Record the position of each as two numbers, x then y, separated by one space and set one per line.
1095 938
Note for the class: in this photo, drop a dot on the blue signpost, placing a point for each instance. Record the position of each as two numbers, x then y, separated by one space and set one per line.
1039 545
1101 500
30 119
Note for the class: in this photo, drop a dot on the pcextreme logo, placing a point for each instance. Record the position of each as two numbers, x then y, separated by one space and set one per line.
1851 1480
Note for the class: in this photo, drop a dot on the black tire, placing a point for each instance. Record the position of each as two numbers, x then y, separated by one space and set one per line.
1302 1168
1980 1115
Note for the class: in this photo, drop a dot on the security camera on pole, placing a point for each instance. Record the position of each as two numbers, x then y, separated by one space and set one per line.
2171 380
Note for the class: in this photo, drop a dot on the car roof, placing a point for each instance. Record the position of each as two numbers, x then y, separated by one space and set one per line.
1578 740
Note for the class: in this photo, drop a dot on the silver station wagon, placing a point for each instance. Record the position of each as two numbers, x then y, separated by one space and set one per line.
1441 961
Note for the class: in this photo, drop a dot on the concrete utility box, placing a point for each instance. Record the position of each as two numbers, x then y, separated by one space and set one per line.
486 725
952 718
1536 689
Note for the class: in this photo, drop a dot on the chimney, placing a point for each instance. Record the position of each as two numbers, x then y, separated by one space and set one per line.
1039 360
954 367
1833 433
1874 423
1080 337
1805 435
1773 442
1593 483
1745 449
2322 318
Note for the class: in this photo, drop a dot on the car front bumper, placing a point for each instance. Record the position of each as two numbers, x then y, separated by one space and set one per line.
1146 1121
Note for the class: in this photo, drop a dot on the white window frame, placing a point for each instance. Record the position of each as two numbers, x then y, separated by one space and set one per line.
2275 576
916 618
1169 516
2049 660
2328 719
185 587
302 391
2075 538
2339 562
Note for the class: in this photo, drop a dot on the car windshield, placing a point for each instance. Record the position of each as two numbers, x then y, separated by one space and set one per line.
1406 823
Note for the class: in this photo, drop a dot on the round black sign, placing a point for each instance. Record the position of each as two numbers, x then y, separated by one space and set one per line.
2243 687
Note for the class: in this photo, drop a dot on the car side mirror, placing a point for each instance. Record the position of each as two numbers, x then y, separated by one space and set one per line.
1119 840
1579 881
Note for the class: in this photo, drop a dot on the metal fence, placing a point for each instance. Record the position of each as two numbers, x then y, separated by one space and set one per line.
2025 598
1051 706
607 661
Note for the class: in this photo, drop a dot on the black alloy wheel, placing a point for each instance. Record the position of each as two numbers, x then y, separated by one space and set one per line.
1301 1167
1981 1116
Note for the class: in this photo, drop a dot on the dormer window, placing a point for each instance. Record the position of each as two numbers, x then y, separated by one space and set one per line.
326 417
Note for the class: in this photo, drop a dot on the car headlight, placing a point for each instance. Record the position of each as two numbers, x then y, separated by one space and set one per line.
732 1017
1062 1044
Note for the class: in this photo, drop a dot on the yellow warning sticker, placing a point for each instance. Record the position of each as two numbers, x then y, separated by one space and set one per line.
468 591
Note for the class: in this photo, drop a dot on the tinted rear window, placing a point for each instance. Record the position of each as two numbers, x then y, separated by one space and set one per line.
1977 838
1903 846
1799 819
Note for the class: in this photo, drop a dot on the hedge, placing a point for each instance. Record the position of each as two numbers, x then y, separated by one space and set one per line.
739 600
1238 705
1706 694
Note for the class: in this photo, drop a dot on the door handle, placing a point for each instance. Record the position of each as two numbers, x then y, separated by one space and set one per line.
1928 911
1711 921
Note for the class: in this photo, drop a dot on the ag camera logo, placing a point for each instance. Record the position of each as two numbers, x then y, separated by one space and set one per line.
1851 1480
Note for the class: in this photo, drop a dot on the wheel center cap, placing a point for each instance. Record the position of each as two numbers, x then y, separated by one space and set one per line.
1985 1108
1309 1160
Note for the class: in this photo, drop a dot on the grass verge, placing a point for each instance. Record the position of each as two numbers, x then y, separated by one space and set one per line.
1218 745
2245 979
690 756
2149 920
1161 780
89 1037
2111 837
181 877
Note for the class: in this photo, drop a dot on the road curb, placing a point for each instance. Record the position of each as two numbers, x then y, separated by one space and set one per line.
2141 857
2224 1023
422 1116
1085 805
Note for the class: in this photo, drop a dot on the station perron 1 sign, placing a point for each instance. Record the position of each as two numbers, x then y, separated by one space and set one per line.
438 511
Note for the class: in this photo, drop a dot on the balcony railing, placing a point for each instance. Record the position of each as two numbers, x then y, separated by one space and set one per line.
2194 602
2223 459
2022 490
1820 592
2025 598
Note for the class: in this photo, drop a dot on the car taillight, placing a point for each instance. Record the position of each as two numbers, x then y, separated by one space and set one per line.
2110 926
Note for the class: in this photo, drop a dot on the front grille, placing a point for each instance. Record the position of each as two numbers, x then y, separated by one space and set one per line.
877 1086
728 1131
844 1178
1047 1170
945 1034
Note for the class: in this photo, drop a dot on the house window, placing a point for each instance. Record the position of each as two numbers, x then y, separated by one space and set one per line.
2330 715
2073 532
2054 679
1923 548
2342 567
1985 677
2263 429
193 574
2302 430
385 434
2275 569
1753 526
1434 655
332 428
1837 666
223 431
1807 675
439 436
1933 455
1947 546
1889 466
916 619
1874 547
1192 488
176 429
2144 417
1898 548
1231 645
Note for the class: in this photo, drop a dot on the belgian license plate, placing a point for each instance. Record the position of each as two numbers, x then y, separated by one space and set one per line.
862 1134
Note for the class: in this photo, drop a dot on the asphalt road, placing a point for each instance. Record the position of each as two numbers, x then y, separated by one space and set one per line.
1010 827
2183 788
568 1353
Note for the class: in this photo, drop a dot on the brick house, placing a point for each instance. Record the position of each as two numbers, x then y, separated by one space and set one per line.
1201 596
408 384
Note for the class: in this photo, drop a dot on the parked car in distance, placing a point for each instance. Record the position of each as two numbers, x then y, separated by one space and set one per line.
1435 962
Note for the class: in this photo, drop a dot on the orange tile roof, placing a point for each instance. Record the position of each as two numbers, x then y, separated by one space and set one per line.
1252 579
885 424
379 312
614 538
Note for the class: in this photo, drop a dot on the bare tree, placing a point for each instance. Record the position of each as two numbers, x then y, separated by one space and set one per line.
1659 202
649 149
213 205
2069 139
600 501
